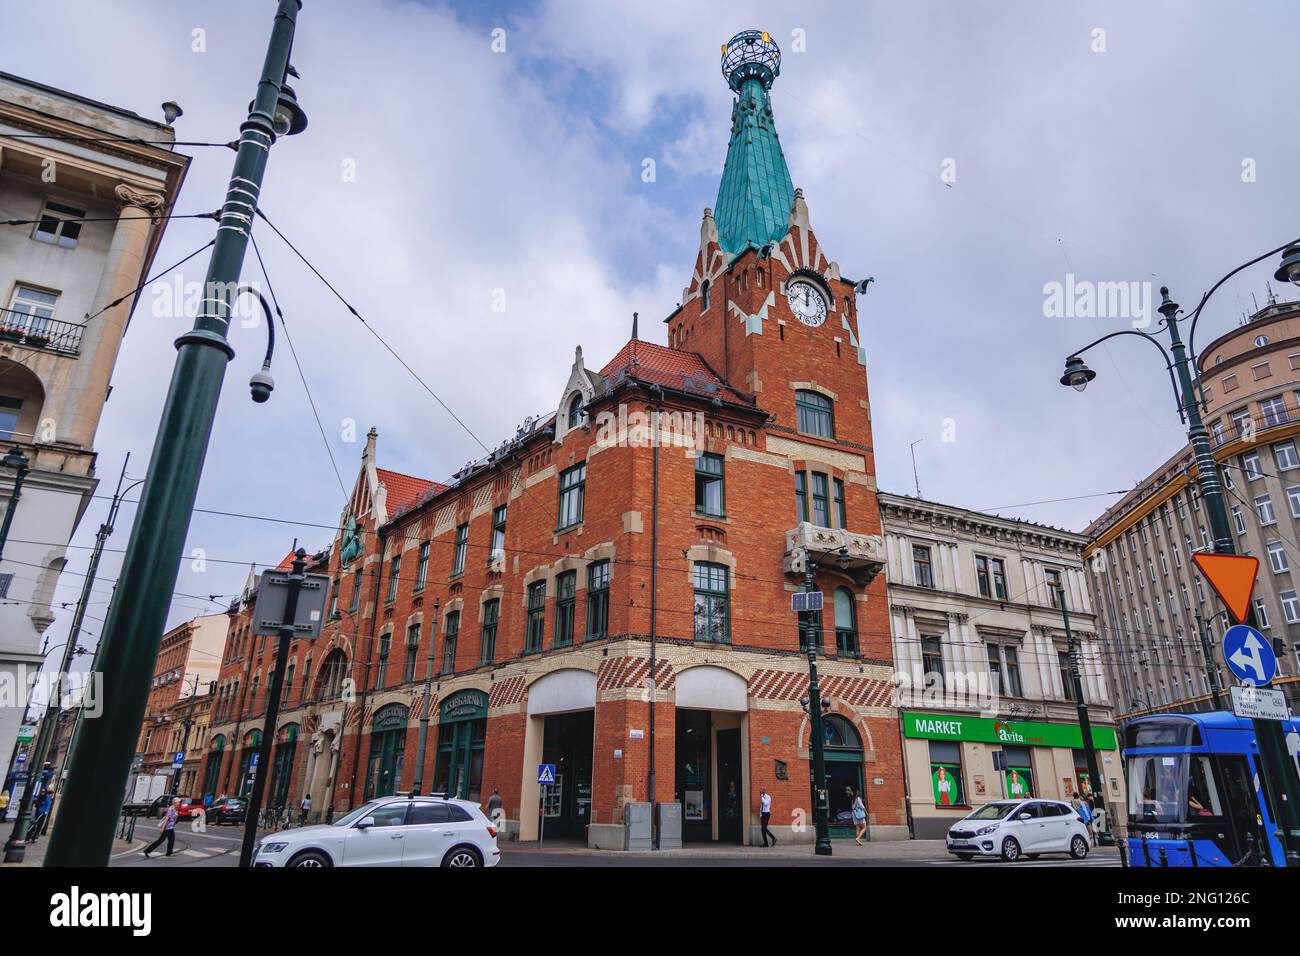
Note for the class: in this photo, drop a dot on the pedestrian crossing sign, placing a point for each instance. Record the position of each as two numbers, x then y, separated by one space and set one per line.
546 773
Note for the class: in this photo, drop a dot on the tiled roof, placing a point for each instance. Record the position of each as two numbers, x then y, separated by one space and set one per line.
404 491
671 368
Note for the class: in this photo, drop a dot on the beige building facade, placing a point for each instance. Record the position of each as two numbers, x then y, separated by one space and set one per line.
983 661
89 186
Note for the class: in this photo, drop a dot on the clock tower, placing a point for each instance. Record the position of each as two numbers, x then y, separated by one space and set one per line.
766 307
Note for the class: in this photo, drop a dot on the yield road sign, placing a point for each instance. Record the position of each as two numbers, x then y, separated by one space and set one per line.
546 773
1232 576
1249 655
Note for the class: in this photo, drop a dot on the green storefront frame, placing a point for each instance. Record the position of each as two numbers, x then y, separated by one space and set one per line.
462 734
387 751
1020 733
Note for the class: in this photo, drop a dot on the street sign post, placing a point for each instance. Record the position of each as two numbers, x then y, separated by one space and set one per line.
1249 655
807 601
273 595
546 778
1259 703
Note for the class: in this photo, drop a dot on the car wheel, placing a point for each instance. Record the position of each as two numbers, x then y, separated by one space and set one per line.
1078 847
1010 850
463 856
312 858
965 857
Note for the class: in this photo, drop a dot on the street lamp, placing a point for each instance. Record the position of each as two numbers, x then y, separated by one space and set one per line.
17 462
1279 769
103 751
815 707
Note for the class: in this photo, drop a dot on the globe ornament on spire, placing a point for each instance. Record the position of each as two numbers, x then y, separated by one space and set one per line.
751 54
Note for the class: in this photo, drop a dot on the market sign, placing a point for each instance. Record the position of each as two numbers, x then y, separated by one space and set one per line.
1022 733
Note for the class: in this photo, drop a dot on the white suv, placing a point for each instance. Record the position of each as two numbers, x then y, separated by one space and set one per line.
392 831
1015 828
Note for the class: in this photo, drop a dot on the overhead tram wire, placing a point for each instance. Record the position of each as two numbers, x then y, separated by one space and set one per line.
147 282
61 218
298 365
371 330
123 140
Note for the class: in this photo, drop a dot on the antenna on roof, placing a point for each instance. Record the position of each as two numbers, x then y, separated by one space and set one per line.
634 325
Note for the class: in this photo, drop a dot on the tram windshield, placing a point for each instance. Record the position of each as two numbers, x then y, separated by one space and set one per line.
1172 788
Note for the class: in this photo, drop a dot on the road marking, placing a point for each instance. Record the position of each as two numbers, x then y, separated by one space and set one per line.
201 854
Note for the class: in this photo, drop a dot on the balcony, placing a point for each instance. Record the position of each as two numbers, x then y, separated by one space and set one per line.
38 332
865 552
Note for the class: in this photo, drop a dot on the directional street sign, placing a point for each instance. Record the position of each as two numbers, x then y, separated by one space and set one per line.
1259 703
546 773
1232 576
1249 655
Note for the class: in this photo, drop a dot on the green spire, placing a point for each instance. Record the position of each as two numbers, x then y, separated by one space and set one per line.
756 192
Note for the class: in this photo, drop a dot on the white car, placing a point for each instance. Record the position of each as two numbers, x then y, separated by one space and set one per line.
391 831
1015 828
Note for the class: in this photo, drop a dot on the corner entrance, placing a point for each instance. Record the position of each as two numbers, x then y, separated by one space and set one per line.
567 742
709 776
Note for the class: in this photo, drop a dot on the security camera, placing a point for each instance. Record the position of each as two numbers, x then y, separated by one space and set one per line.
262 384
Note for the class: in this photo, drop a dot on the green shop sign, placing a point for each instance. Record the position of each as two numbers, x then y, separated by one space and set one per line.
1021 733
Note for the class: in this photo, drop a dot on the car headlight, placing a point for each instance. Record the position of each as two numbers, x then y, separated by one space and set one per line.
271 847
983 830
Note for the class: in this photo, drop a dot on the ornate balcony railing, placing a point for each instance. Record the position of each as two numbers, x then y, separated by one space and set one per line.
38 332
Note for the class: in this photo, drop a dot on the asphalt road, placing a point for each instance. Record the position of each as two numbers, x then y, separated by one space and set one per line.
220 847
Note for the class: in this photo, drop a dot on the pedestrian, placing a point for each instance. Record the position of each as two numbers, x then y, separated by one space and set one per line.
42 817
303 810
859 815
166 824
4 804
765 815
1075 802
1091 823
493 805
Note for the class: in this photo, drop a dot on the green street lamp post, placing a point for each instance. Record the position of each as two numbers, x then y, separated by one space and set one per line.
418 784
1279 776
274 694
1085 724
103 750
814 705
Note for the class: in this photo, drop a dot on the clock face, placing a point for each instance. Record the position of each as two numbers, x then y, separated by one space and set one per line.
807 303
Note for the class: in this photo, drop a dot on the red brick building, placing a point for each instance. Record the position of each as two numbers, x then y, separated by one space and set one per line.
665 511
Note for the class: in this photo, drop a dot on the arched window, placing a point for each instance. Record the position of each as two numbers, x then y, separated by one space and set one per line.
814 414
575 410
704 296
839 734
846 628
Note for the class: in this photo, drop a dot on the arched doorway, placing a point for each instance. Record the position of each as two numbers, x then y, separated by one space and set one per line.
248 762
709 774
212 769
843 752
462 732
387 751
286 745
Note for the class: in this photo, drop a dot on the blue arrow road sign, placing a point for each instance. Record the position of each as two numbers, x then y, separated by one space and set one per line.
1249 655
546 773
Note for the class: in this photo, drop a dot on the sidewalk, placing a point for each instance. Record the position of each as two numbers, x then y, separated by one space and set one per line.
906 851
35 853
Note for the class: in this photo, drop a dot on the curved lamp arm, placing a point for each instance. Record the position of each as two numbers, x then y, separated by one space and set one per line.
1195 314
262 383
1169 363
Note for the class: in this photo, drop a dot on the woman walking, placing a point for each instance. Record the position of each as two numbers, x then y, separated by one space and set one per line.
859 816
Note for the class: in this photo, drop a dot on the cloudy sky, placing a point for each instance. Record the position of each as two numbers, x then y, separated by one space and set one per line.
964 154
